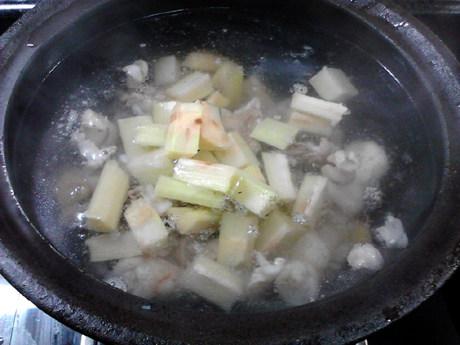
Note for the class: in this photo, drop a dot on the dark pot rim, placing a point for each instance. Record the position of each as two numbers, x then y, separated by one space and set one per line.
48 285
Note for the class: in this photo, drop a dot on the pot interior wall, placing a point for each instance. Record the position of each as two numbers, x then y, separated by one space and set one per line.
80 67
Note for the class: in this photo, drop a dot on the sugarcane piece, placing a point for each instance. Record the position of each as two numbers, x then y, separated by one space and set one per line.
325 110
191 87
206 156
151 135
309 123
183 136
256 196
333 85
275 133
244 147
310 199
146 225
147 168
167 70
105 207
254 171
279 177
218 100
212 136
236 238
118 245
239 154
213 176
170 188
162 112
277 232
193 220
229 80
127 128
203 61
360 233
213 281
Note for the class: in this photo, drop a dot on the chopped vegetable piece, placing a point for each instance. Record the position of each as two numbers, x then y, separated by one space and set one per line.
206 156
167 70
192 87
332 84
118 245
162 112
105 207
244 147
229 80
194 220
325 110
212 136
277 232
239 154
275 133
127 129
310 199
214 176
218 100
279 175
151 135
236 239
147 227
310 123
233 156
203 61
213 282
183 135
171 188
254 171
148 167
256 196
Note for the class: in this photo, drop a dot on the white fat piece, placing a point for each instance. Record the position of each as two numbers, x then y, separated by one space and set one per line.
298 283
313 249
97 128
147 277
365 256
95 156
342 168
136 73
266 272
392 233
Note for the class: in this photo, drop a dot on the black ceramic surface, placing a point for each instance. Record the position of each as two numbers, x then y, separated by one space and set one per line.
407 102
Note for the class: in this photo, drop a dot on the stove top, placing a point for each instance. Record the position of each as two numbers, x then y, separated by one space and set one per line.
435 322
